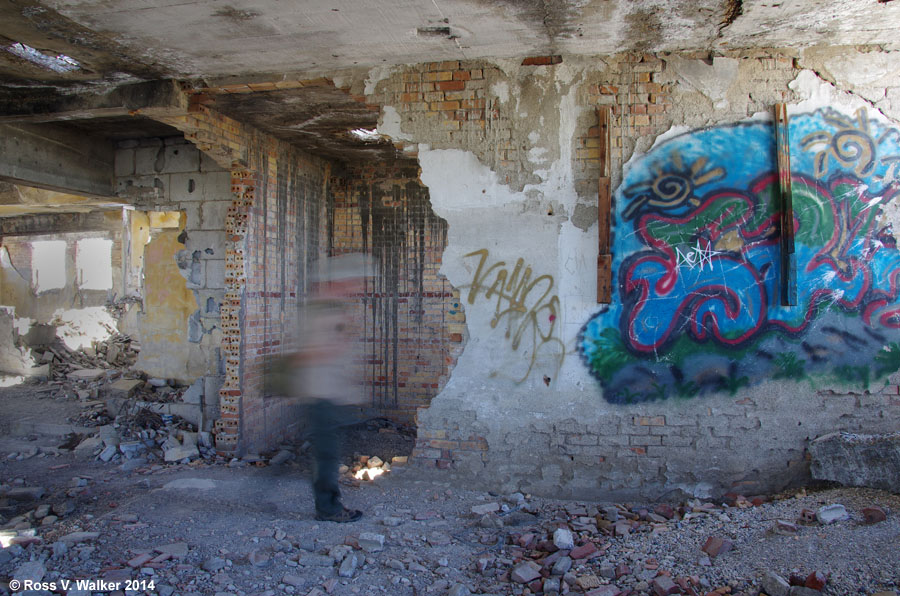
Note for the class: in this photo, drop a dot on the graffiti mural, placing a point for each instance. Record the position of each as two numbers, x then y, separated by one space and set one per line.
526 305
697 258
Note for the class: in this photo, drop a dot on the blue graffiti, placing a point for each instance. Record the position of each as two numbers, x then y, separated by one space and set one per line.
697 258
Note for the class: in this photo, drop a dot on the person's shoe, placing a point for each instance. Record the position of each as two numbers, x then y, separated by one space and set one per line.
341 517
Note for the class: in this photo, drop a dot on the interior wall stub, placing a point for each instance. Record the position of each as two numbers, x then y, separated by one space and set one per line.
167 302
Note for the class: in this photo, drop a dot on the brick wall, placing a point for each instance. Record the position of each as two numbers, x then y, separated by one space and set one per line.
273 231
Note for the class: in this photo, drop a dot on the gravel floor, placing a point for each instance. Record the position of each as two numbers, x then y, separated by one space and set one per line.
213 527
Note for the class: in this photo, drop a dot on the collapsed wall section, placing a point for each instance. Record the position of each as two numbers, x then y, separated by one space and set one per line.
58 272
413 319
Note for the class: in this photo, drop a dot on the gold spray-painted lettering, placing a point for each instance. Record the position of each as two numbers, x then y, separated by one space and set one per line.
527 304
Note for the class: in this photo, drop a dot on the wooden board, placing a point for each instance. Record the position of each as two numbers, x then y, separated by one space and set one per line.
604 211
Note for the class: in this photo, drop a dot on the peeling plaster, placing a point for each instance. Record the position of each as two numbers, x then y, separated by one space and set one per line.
390 125
506 220
171 346
501 91
816 92
712 80
376 75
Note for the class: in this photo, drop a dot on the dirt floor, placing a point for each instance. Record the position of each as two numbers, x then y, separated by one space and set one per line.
216 526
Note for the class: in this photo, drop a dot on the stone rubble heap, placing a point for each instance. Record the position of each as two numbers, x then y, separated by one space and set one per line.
119 351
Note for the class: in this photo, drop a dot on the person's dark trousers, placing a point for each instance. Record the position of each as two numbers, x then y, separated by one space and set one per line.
324 417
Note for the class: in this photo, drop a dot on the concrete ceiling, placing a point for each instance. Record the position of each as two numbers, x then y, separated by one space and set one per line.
211 43
118 40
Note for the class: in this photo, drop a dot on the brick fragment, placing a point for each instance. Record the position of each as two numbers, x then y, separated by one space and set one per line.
873 515
140 560
583 551
716 546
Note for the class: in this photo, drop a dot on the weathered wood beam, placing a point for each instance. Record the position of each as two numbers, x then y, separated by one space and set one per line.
788 261
604 207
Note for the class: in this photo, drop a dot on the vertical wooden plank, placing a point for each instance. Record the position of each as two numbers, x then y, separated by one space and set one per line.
604 207
788 260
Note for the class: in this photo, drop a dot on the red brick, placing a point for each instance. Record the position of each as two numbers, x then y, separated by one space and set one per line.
541 60
583 551
450 85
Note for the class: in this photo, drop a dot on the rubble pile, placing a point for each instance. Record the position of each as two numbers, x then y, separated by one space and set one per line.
119 351
144 439
369 467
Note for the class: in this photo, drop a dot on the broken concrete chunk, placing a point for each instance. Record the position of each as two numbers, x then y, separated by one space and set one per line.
774 585
525 572
315 560
293 580
480 510
79 537
281 457
563 539
31 571
25 493
194 393
349 565
857 460
86 374
371 542
214 564
828 514
108 453
122 388
89 445
181 452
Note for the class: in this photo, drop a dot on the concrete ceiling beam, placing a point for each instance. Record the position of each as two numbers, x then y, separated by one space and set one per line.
56 158
151 99
40 224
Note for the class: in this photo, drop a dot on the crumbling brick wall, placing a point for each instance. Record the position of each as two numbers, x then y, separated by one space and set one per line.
524 436
273 230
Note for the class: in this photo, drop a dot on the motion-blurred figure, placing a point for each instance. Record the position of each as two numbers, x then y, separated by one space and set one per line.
325 369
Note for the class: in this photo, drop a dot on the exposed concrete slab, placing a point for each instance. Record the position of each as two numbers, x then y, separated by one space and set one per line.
86 374
33 427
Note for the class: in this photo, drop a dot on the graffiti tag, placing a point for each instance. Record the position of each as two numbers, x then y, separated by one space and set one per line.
525 303
696 256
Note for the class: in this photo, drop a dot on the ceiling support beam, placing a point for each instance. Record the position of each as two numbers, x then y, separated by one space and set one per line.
152 99
52 157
